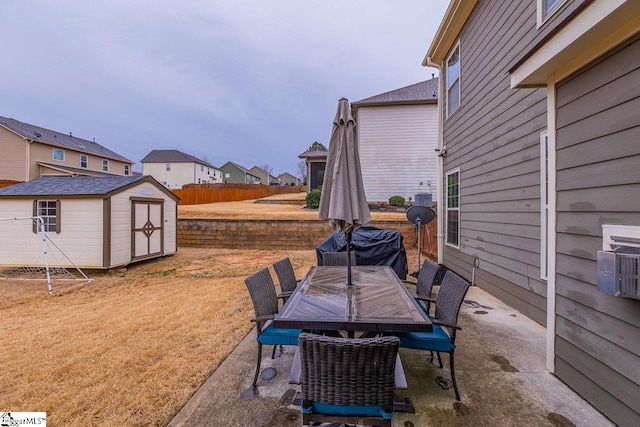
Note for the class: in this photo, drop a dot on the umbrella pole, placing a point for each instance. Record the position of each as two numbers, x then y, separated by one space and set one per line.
347 237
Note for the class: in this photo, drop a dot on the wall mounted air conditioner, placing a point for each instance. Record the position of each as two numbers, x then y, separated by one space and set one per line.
619 261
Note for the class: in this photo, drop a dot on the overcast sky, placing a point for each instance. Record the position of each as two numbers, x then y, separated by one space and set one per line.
254 82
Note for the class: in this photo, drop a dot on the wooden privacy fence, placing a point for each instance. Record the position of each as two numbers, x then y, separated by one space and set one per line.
195 194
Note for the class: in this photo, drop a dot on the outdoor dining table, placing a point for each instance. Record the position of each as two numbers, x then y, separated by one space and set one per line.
376 302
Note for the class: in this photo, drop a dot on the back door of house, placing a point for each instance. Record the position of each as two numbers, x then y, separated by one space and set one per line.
147 219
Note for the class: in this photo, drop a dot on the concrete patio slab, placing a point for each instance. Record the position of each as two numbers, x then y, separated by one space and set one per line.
500 369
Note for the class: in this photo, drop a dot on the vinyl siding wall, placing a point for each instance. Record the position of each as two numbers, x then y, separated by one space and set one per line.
44 153
14 156
80 237
397 150
598 182
494 139
182 173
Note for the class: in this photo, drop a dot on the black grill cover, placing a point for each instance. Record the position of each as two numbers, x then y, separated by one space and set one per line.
373 246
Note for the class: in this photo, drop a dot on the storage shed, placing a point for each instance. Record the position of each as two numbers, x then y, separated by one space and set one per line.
99 222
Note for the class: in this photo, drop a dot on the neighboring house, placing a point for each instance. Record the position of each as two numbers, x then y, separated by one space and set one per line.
174 169
287 179
98 222
397 140
265 177
316 163
29 152
540 120
233 173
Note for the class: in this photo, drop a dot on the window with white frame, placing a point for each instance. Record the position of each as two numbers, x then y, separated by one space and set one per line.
127 170
84 161
544 201
453 208
58 154
105 165
546 8
167 167
453 81
48 211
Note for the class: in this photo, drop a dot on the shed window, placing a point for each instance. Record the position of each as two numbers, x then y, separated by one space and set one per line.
127 171
105 165
84 161
49 211
453 208
453 81
168 167
58 154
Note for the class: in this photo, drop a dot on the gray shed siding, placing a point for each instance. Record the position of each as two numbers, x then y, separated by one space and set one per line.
494 139
598 182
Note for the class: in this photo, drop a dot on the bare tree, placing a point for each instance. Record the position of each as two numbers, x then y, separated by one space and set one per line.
301 170
268 169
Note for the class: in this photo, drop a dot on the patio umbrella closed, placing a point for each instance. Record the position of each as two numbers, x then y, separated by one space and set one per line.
343 201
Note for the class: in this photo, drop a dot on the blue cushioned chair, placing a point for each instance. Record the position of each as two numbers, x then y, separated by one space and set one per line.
452 292
265 305
347 380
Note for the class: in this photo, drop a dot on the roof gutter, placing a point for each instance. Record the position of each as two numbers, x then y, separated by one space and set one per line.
454 18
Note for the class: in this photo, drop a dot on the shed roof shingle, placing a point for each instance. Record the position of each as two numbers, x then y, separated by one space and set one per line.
67 186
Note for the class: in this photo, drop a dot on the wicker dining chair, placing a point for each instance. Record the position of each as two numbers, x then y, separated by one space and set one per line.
452 292
338 258
430 274
265 305
347 380
286 277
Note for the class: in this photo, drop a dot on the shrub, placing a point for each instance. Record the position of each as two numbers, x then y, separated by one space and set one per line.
396 201
313 199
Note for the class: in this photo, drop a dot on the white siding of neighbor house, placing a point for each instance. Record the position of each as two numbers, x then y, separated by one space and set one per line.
182 173
397 150
80 238
121 221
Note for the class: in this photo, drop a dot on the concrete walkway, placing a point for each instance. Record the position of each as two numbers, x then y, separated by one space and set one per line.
500 369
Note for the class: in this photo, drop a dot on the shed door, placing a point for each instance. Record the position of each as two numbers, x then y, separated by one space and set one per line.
147 233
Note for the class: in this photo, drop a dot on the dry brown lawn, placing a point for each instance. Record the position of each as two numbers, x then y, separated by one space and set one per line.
132 347
249 209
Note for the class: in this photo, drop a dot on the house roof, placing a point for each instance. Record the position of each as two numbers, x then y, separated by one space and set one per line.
419 93
73 171
76 186
58 139
286 175
242 168
314 154
259 169
448 31
173 156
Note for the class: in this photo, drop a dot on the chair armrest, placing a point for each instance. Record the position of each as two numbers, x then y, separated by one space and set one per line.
284 295
448 325
427 299
409 282
400 378
296 368
263 318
